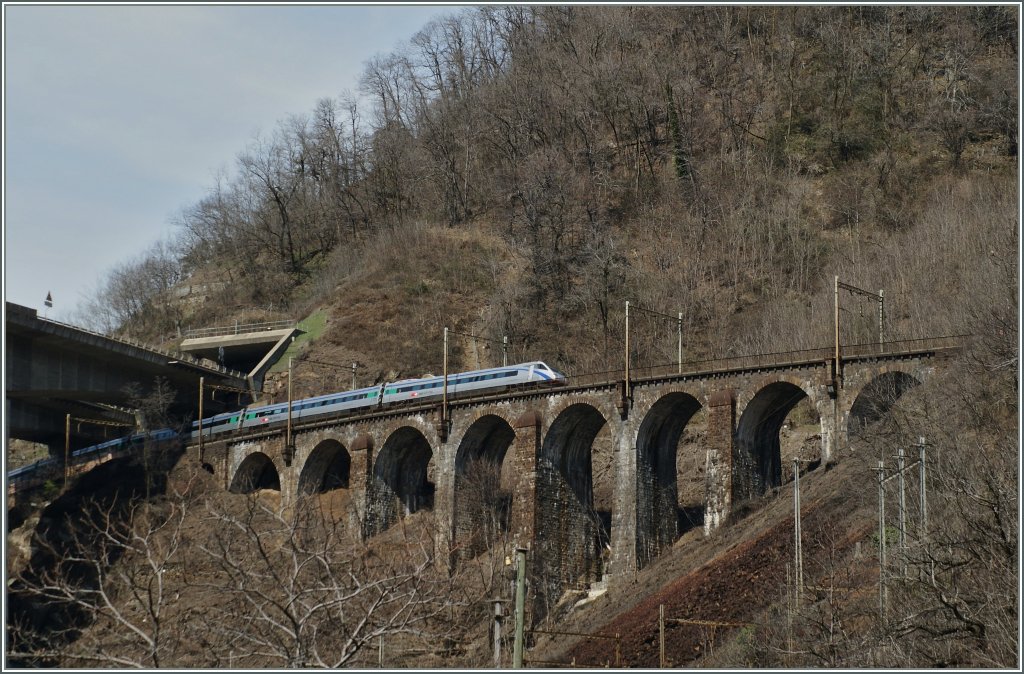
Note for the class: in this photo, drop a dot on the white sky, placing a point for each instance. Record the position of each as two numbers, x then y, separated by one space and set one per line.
117 117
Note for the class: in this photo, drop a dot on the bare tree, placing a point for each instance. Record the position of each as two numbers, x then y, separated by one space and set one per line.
313 594
106 596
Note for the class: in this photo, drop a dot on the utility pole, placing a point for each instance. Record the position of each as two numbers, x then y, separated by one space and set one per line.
202 381
497 633
901 484
353 376
626 393
67 449
798 561
790 607
838 367
288 448
924 493
881 540
881 319
517 648
680 342
661 635
444 395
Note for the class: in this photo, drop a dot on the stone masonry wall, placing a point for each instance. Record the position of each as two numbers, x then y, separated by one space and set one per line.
551 511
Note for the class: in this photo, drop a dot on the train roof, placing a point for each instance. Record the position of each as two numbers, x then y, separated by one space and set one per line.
500 368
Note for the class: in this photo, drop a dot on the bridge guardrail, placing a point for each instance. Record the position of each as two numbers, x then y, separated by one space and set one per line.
239 329
171 355
847 351
903 346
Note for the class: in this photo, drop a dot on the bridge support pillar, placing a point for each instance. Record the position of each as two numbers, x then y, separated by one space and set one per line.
828 413
523 518
525 448
214 460
441 472
360 475
623 534
721 411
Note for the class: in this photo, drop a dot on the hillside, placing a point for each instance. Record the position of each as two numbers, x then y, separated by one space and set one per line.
528 181
740 579
522 172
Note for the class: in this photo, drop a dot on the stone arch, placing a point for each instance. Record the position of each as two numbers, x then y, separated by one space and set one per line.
570 536
257 471
328 467
657 525
757 461
876 398
483 498
399 486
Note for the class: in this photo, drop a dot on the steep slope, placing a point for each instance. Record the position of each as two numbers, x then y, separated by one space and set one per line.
732 578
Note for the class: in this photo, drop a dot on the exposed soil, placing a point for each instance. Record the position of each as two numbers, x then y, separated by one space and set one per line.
729 578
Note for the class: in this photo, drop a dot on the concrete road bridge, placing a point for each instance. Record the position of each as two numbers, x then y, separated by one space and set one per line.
585 474
54 369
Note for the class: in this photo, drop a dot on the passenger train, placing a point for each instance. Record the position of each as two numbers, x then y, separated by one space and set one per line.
406 391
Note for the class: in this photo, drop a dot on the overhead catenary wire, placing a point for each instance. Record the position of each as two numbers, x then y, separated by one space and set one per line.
505 343
637 307
100 422
320 362
678 320
472 336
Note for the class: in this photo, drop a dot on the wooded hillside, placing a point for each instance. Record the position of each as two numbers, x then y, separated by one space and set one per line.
523 171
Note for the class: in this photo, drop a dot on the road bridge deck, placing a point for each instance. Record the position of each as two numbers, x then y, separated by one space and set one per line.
53 368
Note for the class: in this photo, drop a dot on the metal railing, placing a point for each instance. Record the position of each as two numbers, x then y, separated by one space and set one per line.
616 638
239 329
903 347
770 360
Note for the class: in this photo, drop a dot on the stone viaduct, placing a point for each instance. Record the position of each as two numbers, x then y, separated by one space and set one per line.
522 463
